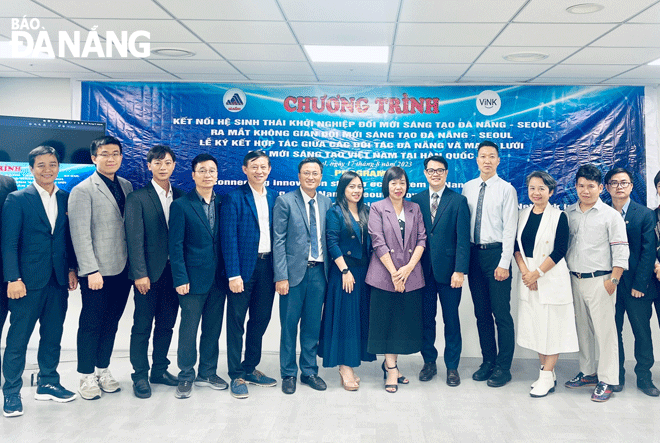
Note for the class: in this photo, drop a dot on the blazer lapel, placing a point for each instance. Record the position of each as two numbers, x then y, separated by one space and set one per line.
444 203
408 232
155 200
249 197
61 210
103 188
301 205
38 204
394 221
199 210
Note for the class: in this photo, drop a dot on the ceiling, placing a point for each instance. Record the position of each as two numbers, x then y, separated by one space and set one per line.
431 41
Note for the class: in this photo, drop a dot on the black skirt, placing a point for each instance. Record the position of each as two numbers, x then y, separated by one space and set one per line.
395 322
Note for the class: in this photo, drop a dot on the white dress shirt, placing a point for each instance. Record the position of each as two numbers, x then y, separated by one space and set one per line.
306 199
166 198
50 204
261 202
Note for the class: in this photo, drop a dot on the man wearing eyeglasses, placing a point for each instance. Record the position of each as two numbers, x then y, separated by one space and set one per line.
445 262
636 291
198 276
96 220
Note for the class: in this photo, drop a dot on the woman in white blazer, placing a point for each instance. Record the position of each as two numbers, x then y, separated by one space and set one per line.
546 320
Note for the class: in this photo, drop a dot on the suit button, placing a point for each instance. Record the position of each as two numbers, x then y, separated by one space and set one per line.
349 253
410 251
352 236
392 250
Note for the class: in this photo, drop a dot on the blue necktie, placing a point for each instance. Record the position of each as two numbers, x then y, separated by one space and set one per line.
312 230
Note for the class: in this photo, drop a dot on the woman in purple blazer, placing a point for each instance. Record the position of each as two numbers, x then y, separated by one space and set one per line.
395 275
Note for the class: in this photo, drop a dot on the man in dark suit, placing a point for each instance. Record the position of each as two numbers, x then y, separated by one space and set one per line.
198 276
247 225
147 215
39 265
636 290
300 271
445 262
7 185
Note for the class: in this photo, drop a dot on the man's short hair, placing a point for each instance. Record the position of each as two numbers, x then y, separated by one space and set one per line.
615 171
252 155
201 158
656 180
102 141
490 144
310 160
589 172
159 152
394 173
548 180
42 150
436 158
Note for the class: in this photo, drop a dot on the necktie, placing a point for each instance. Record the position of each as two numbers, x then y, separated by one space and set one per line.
312 230
480 207
434 206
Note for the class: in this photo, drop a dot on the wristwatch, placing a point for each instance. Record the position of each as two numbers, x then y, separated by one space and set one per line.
345 271
615 281
541 273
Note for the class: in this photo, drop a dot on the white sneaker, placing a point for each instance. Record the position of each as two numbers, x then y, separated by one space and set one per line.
107 382
89 387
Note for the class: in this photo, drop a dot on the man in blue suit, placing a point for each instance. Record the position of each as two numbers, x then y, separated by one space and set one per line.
247 224
445 262
39 265
636 290
299 265
198 276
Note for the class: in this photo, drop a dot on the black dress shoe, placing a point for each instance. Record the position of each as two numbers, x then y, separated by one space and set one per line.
648 388
141 388
617 388
453 379
499 378
165 379
289 385
428 372
484 372
314 382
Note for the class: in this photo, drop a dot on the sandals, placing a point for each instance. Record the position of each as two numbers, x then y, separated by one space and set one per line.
402 380
349 385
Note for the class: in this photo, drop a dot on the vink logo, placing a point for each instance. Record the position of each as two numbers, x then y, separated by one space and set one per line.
234 100
488 102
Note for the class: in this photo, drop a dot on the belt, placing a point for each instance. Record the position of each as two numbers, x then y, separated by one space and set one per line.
590 274
263 255
311 264
487 245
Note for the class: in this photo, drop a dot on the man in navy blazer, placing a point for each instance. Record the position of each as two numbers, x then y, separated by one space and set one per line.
300 272
636 290
198 276
247 225
39 265
7 185
445 262
147 216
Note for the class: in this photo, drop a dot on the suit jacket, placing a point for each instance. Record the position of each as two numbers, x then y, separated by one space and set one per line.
448 236
146 232
29 250
342 240
291 236
7 185
194 245
240 230
640 227
97 227
386 237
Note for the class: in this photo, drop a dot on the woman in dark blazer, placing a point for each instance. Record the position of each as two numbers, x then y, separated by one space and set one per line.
345 324
398 237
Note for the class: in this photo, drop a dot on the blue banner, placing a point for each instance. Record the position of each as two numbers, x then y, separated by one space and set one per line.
368 129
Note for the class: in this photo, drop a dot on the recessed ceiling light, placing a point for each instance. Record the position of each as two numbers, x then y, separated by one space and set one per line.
585 8
348 54
173 52
526 57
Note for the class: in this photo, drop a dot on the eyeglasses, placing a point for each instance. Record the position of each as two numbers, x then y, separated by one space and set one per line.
108 155
439 171
314 174
616 184
207 172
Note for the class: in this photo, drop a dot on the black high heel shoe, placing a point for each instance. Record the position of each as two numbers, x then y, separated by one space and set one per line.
402 380
389 388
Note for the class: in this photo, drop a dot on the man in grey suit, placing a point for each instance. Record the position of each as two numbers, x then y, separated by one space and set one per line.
299 252
96 218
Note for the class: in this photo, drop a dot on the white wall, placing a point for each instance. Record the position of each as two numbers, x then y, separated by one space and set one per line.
56 98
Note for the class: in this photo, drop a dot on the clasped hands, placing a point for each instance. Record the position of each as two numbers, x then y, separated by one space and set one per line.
529 279
400 277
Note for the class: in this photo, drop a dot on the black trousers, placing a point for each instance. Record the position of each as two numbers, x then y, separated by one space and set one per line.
492 306
3 309
157 308
101 311
450 298
639 312
48 305
257 297
207 308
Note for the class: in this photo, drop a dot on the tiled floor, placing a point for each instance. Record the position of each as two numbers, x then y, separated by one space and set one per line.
419 412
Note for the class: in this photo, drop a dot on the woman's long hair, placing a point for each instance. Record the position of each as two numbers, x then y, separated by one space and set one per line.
363 209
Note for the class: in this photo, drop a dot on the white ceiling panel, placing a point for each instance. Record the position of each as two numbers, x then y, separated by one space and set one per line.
466 11
160 30
107 9
224 10
429 80
341 10
587 71
568 80
20 8
554 11
510 70
242 32
211 77
234 51
544 34
141 76
27 74
495 54
651 15
251 67
351 69
446 34
283 77
646 71
630 82
87 75
614 56
196 66
362 80
631 36
344 34
428 70
435 54
36 65
119 65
